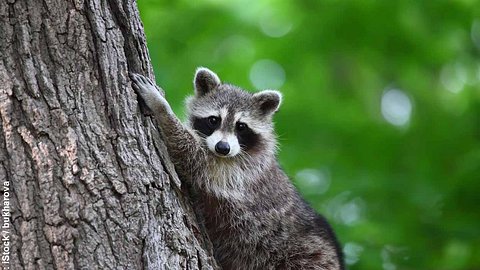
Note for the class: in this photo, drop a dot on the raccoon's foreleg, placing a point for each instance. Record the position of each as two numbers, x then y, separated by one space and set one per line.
182 144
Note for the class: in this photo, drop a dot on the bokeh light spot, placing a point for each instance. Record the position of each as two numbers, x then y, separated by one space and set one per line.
391 255
456 254
350 212
313 181
233 46
352 252
274 26
345 210
396 107
267 74
453 77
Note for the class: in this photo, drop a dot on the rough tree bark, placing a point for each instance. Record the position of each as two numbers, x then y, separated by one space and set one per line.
91 185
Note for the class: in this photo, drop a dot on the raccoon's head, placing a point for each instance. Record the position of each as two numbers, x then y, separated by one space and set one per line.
231 121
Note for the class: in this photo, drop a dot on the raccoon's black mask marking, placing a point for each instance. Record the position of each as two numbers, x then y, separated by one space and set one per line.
247 139
204 126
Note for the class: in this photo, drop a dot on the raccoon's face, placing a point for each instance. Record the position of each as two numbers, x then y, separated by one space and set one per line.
230 120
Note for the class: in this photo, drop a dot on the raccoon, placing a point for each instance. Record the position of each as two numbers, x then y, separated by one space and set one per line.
227 153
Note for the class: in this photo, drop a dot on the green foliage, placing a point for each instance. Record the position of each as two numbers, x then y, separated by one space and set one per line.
397 172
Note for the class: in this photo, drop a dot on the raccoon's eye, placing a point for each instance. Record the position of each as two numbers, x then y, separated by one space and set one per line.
241 126
213 121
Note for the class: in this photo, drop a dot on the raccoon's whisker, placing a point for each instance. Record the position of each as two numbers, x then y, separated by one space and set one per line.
244 153
245 156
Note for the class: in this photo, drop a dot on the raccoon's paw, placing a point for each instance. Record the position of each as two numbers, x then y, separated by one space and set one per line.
149 91
144 86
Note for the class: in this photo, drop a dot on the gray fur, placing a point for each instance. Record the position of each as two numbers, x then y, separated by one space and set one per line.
253 214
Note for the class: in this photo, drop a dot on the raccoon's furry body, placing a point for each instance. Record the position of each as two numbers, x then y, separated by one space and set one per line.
227 153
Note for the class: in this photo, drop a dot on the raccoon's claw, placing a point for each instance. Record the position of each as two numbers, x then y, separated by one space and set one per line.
139 82
143 85
149 91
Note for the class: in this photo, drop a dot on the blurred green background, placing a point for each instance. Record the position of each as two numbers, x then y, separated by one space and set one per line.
380 125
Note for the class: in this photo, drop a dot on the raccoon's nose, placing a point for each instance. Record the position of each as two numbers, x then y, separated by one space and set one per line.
222 148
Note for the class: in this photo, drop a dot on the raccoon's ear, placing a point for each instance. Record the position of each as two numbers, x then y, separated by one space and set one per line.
205 81
268 101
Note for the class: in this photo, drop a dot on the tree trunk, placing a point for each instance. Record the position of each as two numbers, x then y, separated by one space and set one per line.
86 180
